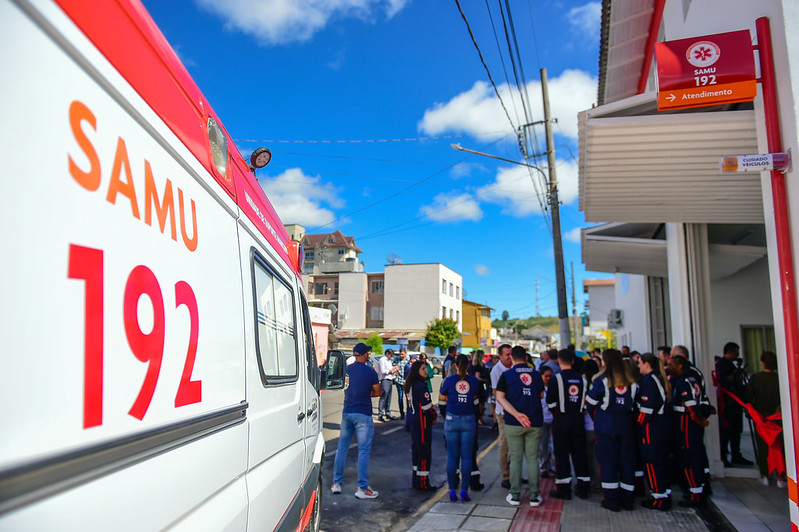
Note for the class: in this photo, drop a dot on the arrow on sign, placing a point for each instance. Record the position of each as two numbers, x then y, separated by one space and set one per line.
671 98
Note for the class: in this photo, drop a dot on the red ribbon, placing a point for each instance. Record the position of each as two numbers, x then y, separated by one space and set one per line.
770 429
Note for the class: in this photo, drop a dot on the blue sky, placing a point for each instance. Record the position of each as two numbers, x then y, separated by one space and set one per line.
296 75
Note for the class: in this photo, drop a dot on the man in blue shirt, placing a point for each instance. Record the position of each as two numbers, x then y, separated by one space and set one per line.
360 386
519 391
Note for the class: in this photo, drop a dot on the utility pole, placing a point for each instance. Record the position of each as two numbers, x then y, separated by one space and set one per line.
554 209
574 310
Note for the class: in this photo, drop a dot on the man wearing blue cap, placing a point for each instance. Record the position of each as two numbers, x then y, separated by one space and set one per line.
360 386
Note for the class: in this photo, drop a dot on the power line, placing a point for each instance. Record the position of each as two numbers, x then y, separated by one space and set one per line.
532 26
361 141
354 158
501 56
394 195
485 66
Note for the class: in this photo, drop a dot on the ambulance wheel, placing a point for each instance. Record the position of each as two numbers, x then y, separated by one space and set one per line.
315 524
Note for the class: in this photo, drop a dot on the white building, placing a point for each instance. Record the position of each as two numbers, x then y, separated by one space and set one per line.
416 294
601 303
696 253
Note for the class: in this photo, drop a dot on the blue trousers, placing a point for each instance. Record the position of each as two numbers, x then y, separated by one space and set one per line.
690 449
654 443
459 432
363 428
615 450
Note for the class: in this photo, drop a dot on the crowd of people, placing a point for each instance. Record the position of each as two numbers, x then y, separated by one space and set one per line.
610 421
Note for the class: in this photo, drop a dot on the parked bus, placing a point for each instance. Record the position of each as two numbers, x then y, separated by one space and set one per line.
157 360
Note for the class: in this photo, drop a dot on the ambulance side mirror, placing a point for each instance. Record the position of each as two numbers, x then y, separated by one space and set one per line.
334 370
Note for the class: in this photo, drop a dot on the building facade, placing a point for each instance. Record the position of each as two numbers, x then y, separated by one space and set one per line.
476 320
701 258
326 252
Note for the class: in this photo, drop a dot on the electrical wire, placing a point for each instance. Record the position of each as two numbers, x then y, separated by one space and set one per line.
501 57
485 66
362 141
532 26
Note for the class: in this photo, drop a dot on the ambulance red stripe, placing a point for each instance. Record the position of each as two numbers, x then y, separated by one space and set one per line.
126 35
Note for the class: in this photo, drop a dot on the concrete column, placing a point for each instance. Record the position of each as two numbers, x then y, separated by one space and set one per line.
691 319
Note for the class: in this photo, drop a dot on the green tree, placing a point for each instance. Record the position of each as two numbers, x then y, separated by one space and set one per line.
442 333
505 316
376 343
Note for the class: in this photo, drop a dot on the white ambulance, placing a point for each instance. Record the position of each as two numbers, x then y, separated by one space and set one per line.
157 366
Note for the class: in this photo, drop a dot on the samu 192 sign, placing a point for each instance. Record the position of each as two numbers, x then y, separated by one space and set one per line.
708 70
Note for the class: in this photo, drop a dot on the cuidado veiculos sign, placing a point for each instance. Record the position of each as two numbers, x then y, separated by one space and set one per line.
706 70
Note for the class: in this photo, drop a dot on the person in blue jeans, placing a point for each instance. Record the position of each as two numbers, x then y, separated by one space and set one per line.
458 403
360 386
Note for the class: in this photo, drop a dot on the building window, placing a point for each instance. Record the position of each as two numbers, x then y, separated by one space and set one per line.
377 287
376 314
443 312
451 313
341 251
307 267
457 315
320 289
308 256
330 239
335 289
457 292
450 289
443 287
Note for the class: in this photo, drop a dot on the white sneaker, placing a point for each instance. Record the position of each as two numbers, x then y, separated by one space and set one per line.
367 493
763 480
336 487
780 483
536 502
510 500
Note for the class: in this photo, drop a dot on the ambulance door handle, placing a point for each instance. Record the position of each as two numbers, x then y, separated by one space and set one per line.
300 417
310 411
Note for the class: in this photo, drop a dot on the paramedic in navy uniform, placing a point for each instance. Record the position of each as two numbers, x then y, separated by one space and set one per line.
612 398
458 402
655 430
519 391
421 417
566 400
690 430
360 386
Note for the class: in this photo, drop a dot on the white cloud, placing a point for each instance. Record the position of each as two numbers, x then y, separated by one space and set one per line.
276 22
453 207
573 235
299 198
514 190
586 18
482 269
478 112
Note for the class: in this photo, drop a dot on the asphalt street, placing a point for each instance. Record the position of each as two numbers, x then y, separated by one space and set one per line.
389 470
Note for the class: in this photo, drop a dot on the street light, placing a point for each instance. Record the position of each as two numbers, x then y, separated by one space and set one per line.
557 243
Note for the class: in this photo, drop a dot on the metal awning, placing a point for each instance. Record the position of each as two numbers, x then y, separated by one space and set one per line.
639 167
606 249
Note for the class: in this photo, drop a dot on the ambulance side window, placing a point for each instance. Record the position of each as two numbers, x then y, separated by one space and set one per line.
314 373
276 325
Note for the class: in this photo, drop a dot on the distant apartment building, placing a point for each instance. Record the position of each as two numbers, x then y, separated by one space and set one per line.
601 307
476 325
326 252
